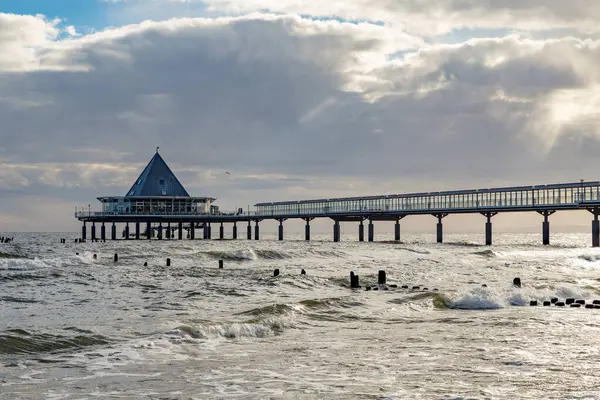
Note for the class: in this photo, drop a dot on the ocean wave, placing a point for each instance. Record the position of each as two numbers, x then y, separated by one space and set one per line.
487 298
19 341
485 253
269 254
418 251
22 264
233 255
590 257
249 329
10 255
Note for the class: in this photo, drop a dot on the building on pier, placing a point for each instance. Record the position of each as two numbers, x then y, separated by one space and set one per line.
158 200
157 191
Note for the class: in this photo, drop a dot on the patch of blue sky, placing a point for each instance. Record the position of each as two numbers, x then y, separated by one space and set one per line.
85 15
464 34
343 20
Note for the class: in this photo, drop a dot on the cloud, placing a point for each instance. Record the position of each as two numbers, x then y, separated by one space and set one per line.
292 107
22 38
425 17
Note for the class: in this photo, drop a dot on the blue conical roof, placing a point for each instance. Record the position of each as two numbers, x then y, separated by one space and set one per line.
157 179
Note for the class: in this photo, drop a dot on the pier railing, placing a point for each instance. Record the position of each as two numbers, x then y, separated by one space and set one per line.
558 196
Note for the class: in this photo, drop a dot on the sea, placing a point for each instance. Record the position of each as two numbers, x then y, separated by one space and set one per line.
448 323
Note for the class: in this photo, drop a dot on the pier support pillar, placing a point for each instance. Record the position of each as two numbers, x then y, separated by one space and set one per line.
440 227
595 227
221 232
93 231
280 230
205 231
169 232
180 231
336 231
83 232
192 231
235 230
307 229
148 230
361 231
209 230
595 232
127 231
249 231
397 230
488 227
371 231
137 231
113 232
256 231
160 231
546 226
103 232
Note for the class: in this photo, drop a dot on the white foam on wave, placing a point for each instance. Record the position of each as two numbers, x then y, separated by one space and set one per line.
486 298
88 257
245 254
23 264
263 328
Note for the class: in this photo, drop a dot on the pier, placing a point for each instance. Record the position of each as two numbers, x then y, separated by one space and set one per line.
159 204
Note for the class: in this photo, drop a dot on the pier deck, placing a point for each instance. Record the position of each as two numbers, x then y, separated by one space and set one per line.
544 199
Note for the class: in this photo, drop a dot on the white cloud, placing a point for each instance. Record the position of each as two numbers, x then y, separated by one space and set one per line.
22 38
291 107
424 17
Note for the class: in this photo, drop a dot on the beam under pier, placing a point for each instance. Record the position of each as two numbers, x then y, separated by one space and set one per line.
440 227
280 229
595 226
488 226
397 230
307 230
546 226
361 231
336 231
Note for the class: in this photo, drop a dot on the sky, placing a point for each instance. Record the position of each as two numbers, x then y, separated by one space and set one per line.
296 99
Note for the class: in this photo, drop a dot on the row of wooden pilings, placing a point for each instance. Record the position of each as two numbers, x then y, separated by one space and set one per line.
170 232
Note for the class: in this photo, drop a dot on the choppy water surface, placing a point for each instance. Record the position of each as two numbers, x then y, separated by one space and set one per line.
72 327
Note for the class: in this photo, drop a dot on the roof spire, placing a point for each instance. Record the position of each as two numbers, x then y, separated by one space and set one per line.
157 149
157 179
